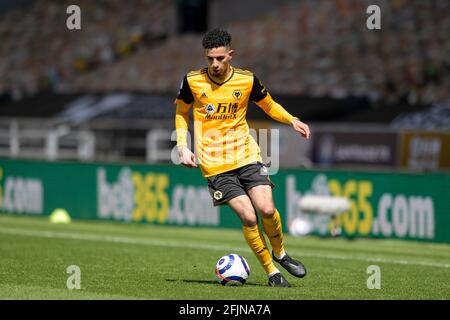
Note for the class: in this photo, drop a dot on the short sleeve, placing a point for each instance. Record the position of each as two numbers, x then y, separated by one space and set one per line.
259 92
185 92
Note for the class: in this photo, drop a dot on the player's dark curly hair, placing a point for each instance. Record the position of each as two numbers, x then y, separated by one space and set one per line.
216 38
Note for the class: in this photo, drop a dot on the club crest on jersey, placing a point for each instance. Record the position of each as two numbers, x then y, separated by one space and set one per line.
210 108
218 195
237 94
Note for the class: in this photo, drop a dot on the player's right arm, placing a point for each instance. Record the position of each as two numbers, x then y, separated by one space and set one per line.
184 103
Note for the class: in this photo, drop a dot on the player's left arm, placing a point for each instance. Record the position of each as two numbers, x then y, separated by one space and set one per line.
263 99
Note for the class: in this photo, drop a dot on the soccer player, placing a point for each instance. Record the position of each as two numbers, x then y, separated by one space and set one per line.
228 156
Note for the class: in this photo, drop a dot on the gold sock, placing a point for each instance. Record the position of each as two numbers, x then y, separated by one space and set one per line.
257 243
274 230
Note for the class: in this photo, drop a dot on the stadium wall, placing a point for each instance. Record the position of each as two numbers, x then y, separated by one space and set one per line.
383 205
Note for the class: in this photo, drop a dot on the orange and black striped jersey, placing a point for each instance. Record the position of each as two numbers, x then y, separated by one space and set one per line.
221 133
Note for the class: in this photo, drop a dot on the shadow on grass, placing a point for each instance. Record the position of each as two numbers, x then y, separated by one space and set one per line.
212 282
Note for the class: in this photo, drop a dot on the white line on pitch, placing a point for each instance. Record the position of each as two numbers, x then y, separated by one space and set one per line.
159 243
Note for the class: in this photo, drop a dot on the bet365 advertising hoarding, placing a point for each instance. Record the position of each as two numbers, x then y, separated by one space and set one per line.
383 205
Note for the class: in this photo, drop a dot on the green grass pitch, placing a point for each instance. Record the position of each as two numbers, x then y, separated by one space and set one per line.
136 261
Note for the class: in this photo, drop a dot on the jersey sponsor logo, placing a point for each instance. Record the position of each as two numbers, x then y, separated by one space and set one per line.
237 94
228 107
225 110
221 117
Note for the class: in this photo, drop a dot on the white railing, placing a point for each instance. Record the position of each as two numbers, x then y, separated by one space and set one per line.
41 139
102 140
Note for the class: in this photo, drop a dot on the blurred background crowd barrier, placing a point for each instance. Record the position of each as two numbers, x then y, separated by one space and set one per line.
375 99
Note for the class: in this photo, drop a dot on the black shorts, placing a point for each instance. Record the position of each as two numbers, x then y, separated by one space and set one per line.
231 184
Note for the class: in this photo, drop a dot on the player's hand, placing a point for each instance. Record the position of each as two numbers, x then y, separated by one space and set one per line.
301 127
187 158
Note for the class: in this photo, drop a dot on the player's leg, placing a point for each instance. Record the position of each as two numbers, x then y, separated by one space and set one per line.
259 188
261 197
226 188
262 200
242 206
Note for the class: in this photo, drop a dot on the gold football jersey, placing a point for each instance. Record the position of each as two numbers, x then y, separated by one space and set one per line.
221 132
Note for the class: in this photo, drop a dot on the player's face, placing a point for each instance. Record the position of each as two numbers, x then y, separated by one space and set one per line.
218 61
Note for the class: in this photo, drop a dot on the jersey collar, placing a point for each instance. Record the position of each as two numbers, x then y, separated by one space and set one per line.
221 83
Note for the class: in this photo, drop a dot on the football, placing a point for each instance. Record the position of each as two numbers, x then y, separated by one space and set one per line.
232 270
